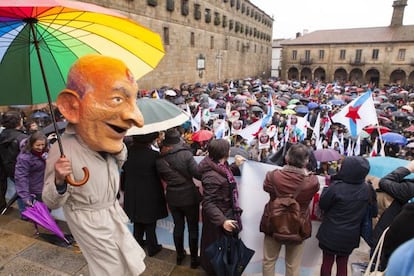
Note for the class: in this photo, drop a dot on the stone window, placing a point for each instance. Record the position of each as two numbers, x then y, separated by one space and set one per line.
226 43
192 39
243 8
294 55
166 35
231 24
321 54
211 42
342 54
207 15
170 5
152 3
375 54
224 21
184 7
232 3
217 20
401 54
197 12
248 11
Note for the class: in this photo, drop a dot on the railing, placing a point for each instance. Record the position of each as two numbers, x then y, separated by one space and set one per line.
306 61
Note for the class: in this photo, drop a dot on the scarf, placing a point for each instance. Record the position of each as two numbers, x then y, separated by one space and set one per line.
234 194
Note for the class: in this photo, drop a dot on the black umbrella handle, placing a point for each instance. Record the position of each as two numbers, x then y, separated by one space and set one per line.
68 179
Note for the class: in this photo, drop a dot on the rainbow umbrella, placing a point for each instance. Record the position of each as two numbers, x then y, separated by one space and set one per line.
40 40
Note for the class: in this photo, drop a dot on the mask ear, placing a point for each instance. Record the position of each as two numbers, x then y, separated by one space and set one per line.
68 102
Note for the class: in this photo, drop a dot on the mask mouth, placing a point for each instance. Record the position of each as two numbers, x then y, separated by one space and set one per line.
117 128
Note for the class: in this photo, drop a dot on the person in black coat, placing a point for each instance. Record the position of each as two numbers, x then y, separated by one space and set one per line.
177 167
400 231
344 204
144 200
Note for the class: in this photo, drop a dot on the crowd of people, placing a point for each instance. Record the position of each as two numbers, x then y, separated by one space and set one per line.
288 121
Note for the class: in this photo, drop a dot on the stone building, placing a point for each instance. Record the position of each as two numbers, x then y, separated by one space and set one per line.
381 55
204 40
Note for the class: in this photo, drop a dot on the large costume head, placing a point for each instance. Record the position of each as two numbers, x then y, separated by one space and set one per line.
100 101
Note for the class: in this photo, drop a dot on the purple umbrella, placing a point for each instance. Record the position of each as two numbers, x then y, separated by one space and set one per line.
40 215
326 155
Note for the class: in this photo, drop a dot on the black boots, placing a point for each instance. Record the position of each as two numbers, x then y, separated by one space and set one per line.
195 260
179 248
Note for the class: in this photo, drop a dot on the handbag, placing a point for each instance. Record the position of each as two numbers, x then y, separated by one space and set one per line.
376 256
228 255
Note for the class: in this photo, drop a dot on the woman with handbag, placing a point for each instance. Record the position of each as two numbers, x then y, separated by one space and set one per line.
220 206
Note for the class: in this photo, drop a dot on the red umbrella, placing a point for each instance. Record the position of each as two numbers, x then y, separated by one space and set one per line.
409 129
202 135
40 215
326 155
382 129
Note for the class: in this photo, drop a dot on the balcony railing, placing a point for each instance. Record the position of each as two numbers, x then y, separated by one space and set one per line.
306 61
357 62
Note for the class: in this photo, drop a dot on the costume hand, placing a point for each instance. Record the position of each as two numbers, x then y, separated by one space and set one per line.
229 225
410 166
239 160
63 168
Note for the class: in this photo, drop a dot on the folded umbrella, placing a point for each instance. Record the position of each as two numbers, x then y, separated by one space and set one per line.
40 215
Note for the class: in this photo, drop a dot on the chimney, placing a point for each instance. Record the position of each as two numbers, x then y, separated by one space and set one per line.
298 34
398 13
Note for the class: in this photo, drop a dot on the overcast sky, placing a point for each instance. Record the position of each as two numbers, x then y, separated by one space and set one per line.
292 16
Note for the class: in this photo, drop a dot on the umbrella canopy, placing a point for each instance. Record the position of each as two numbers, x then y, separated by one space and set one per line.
326 155
380 166
159 115
39 115
202 135
288 112
371 129
40 40
40 215
409 129
61 125
312 105
394 138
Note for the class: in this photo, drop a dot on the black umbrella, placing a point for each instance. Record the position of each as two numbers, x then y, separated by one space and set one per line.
61 125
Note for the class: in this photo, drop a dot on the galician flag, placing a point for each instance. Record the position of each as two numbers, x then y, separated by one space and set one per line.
358 114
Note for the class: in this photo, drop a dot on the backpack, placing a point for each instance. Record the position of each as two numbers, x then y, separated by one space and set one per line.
282 219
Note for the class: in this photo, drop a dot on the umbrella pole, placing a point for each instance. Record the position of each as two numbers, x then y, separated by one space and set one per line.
31 22
49 99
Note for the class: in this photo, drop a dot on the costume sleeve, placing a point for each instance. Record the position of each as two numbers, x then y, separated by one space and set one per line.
21 178
122 156
50 194
396 186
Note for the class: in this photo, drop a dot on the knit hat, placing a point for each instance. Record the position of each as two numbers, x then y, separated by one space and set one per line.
172 137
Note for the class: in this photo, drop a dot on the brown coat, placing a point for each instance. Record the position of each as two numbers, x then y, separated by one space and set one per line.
287 180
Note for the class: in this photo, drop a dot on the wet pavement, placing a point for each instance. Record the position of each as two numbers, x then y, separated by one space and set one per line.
23 252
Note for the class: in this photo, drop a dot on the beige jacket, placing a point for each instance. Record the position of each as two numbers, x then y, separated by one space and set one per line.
92 211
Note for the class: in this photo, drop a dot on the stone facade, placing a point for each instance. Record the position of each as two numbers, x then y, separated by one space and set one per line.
380 55
235 43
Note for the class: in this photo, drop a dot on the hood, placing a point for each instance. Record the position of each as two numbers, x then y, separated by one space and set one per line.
354 169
